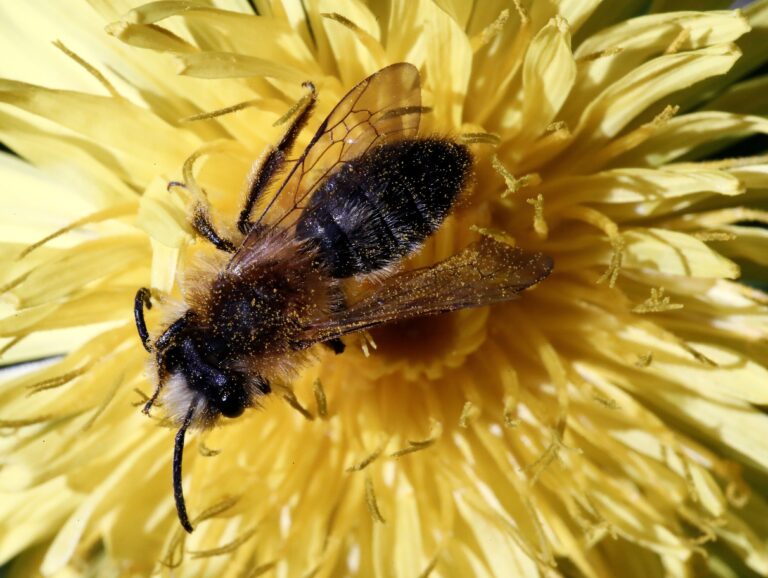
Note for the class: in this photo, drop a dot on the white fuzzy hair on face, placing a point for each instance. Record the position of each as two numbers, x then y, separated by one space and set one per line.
177 397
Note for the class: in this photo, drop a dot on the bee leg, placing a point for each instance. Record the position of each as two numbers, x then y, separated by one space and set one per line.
336 345
152 400
160 345
275 158
203 227
338 303
141 301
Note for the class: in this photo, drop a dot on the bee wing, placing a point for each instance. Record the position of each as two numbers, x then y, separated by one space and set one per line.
385 107
486 272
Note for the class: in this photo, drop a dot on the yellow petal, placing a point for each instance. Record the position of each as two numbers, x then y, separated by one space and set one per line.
26 519
441 45
113 123
615 107
548 75
94 260
161 216
686 133
353 30
744 98
675 253
643 187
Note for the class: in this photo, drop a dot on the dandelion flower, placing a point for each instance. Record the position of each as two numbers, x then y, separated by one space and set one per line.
610 421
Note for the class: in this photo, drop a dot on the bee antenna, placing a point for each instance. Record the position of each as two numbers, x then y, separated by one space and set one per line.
178 452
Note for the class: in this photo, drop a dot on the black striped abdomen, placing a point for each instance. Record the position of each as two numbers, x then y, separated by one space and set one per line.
384 204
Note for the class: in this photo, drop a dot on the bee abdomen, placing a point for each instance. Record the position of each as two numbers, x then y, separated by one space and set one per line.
381 206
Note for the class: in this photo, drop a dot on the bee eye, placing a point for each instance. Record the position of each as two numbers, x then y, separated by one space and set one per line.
232 401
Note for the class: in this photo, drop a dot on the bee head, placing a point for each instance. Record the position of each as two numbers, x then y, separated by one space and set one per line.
198 380
196 371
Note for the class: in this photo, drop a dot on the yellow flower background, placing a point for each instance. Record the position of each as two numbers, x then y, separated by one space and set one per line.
610 422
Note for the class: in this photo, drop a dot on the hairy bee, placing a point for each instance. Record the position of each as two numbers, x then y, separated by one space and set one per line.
365 193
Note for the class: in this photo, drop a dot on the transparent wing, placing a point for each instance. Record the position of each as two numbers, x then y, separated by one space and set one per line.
385 107
486 272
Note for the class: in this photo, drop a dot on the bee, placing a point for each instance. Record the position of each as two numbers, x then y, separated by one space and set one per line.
365 193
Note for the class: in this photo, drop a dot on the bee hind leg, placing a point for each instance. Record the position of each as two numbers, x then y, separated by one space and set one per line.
275 158
203 227
338 303
201 222
336 345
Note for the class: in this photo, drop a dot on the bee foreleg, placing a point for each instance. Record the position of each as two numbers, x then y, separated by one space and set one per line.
203 227
141 301
275 158
161 344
